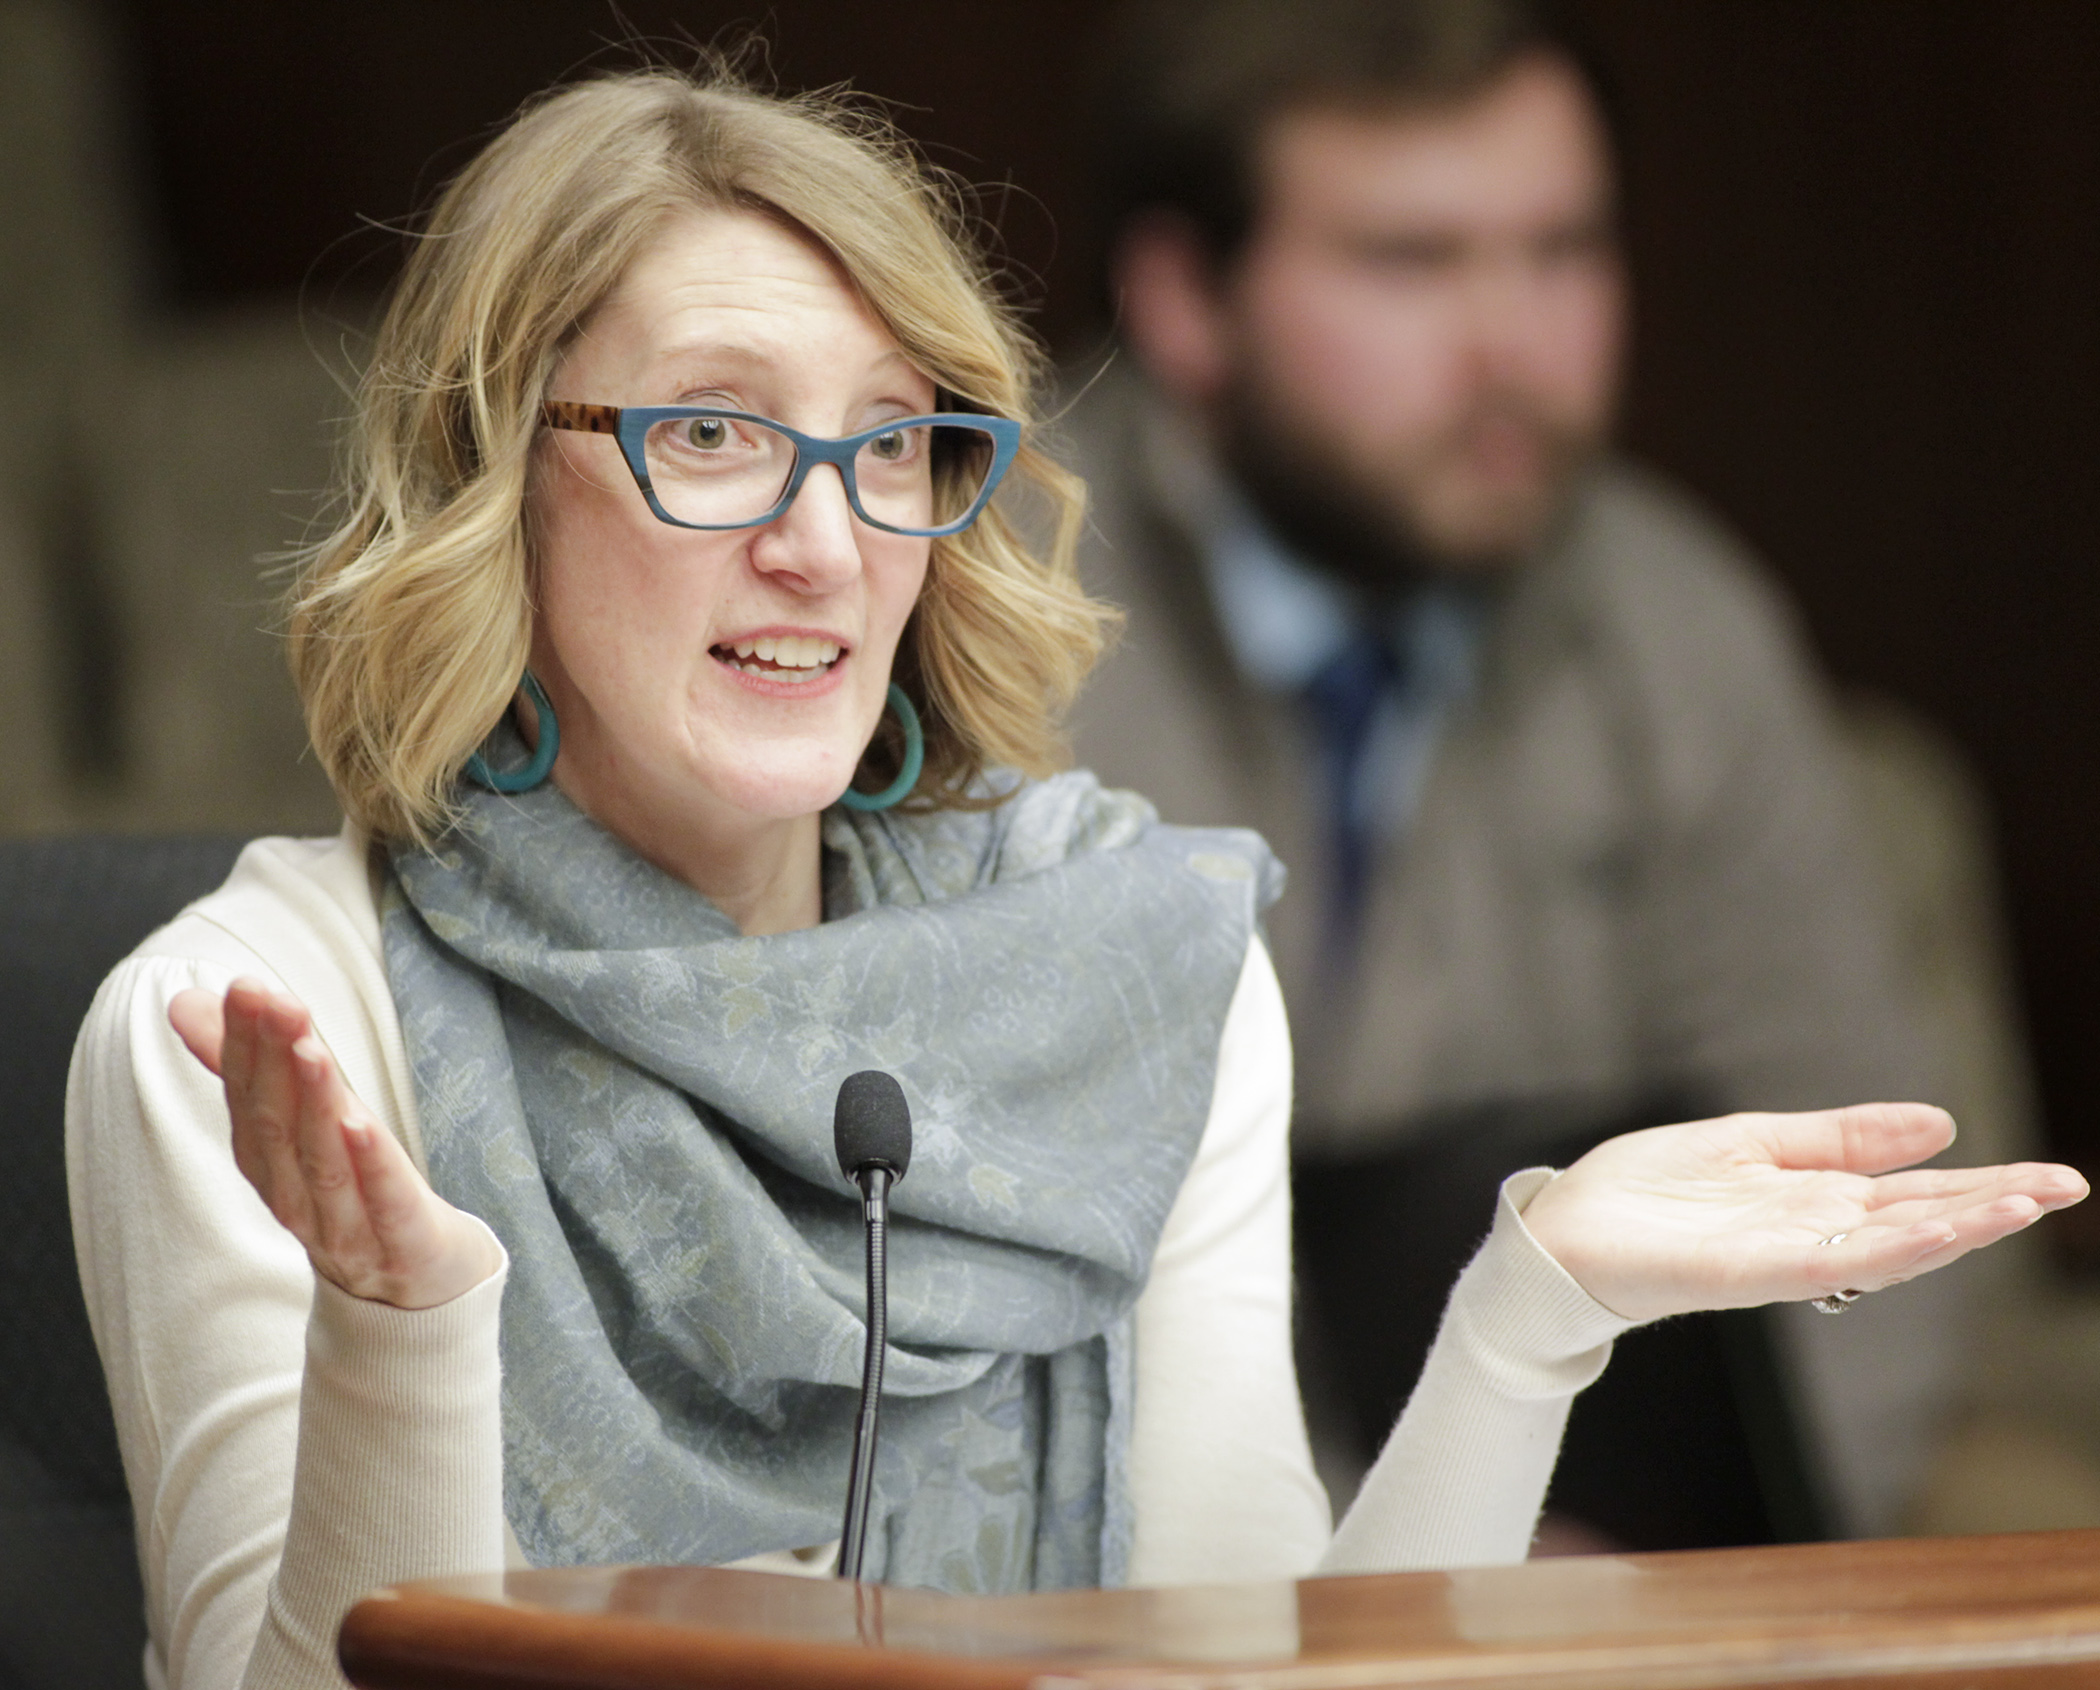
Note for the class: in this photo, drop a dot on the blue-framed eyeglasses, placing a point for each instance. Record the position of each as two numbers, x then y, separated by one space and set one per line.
700 467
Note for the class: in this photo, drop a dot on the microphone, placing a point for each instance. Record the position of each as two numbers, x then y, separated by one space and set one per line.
871 1128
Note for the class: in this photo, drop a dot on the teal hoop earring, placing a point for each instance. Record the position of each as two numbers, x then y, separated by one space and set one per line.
523 779
914 760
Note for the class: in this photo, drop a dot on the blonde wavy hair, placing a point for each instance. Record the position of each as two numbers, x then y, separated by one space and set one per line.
410 623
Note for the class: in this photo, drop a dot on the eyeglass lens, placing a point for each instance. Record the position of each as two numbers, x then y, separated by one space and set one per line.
722 472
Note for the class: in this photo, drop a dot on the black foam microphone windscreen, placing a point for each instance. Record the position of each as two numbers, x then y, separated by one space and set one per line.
871 1124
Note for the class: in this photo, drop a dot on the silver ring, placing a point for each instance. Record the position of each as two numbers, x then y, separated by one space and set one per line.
1838 1301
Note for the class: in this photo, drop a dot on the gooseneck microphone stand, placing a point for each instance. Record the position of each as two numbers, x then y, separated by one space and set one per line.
871 1127
875 1204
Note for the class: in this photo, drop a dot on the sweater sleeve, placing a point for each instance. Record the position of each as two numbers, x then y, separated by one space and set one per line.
1462 1478
286 1450
1221 1470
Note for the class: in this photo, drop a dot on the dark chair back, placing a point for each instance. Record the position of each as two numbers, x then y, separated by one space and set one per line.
70 910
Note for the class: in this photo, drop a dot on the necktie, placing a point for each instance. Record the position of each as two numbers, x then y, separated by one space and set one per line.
1343 699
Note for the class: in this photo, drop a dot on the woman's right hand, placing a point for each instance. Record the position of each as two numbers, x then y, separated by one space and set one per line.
327 1168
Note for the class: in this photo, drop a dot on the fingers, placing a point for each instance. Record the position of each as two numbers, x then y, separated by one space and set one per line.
425 1251
1728 1213
262 1099
1976 1206
331 1174
395 1194
1902 1242
2050 1184
1864 1138
1925 1191
338 1230
1872 1257
256 1062
287 1106
199 1018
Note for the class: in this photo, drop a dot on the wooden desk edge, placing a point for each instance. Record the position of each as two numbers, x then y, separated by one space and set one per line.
2023 1609
417 1641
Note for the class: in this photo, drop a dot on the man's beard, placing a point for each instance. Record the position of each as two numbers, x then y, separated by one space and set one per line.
1386 535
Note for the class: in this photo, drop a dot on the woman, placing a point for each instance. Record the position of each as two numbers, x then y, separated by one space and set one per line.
690 410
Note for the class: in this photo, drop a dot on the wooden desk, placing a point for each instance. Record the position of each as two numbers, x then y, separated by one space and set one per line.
1995 1613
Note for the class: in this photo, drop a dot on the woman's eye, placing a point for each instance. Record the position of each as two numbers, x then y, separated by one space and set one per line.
707 433
892 447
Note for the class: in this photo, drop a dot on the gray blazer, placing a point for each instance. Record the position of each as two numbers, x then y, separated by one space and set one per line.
1634 872
1634 877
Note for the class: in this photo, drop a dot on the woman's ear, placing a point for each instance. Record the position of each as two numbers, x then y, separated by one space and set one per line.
1170 307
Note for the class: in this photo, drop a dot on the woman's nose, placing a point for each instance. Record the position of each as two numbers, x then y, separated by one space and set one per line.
815 542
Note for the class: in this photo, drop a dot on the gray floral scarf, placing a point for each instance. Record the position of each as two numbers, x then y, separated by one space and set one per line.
638 1100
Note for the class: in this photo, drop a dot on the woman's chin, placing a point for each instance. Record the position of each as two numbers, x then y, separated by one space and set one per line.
777 794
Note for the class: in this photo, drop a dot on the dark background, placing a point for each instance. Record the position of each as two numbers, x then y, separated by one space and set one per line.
1864 243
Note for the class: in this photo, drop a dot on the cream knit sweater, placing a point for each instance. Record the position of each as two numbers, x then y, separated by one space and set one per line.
290 1447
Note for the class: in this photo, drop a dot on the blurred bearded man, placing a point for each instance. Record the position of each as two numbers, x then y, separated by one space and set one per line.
1570 843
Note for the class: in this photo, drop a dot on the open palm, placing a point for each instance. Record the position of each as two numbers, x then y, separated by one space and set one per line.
330 1173
1734 1212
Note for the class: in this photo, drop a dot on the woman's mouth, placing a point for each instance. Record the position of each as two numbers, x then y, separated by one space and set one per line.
787 657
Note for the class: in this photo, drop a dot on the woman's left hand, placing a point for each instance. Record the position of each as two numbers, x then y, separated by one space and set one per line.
1733 1213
